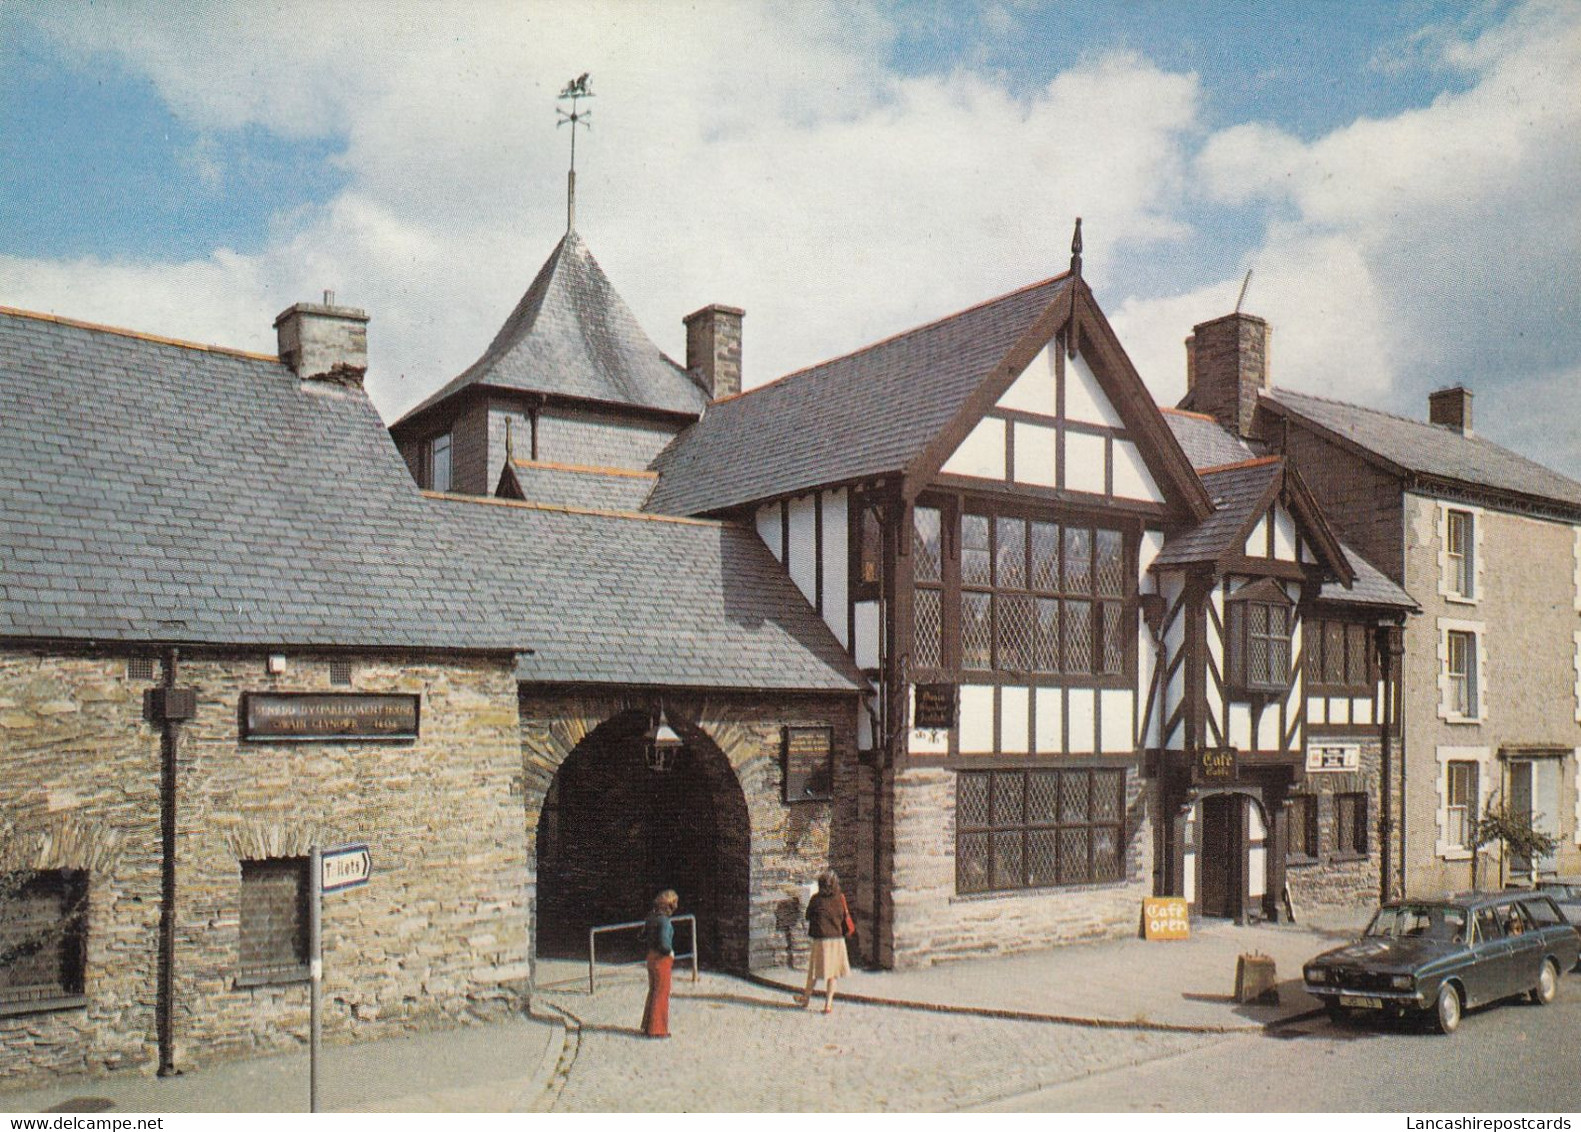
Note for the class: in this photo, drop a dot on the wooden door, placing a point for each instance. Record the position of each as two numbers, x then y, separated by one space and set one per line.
1221 855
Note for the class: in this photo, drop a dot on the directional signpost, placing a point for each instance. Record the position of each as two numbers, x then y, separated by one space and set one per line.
331 870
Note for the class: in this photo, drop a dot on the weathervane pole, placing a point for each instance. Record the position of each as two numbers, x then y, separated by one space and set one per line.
575 89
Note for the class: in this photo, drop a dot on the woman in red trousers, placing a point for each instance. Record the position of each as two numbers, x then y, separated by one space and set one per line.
661 957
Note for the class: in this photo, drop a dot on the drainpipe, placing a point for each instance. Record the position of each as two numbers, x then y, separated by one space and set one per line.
168 705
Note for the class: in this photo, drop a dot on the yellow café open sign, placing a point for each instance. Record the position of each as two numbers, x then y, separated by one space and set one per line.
1165 917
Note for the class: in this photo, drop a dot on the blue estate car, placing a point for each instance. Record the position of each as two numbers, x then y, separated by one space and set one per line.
1439 957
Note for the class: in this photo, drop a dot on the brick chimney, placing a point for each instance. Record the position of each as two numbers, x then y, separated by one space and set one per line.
713 349
1451 408
1226 368
323 342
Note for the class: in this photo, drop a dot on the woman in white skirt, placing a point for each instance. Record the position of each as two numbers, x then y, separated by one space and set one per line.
828 923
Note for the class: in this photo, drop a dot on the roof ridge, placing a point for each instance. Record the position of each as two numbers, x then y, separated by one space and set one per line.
587 468
1254 462
139 335
897 336
1370 409
1188 413
566 509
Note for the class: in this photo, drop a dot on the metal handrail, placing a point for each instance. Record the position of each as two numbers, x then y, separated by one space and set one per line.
592 943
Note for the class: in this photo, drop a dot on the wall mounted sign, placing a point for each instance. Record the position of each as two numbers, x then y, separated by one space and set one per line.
1165 917
809 763
1210 765
1337 756
935 707
286 716
345 867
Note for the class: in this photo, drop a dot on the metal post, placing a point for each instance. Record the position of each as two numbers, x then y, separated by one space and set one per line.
694 949
592 956
166 995
315 969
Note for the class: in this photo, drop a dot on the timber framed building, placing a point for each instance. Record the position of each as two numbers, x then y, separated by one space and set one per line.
962 613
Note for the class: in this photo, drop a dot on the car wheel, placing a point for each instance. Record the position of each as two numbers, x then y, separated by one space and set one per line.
1335 1012
1446 1013
1547 984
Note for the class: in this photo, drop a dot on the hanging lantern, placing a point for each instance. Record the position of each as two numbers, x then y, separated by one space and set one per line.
662 745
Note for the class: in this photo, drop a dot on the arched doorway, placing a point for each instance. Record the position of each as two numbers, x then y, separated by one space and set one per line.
613 832
1231 856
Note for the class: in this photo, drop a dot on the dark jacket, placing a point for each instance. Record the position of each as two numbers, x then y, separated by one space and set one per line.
826 917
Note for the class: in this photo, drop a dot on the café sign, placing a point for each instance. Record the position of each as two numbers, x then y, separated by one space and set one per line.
1215 765
300 716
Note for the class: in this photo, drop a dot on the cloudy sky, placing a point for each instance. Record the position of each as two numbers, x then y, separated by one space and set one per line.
1403 179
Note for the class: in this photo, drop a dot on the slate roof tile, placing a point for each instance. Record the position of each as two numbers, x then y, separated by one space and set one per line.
1432 450
260 514
866 414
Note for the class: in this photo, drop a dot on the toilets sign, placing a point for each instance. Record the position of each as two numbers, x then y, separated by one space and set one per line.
346 867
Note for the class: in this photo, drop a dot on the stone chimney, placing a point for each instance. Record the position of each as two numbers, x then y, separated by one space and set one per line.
323 342
1451 408
1226 368
713 349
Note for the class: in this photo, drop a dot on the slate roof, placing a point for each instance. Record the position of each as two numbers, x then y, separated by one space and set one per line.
1430 450
1236 491
866 414
1370 587
1206 443
573 335
605 489
642 599
160 492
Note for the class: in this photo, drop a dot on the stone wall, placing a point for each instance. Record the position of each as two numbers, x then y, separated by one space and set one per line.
932 922
736 739
1338 877
438 937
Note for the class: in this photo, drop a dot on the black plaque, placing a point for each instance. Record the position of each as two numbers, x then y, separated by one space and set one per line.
1211 765
935 710
809 763
297 716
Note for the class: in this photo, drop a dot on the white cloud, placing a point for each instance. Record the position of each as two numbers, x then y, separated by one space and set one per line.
739 153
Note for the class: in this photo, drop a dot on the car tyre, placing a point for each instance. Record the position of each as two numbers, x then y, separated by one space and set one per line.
1447 1010
1335 1012
1547 984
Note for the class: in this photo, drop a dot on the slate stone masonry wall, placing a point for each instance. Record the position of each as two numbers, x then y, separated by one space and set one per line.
438 937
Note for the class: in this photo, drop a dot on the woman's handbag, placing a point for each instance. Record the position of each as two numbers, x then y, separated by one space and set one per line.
850 926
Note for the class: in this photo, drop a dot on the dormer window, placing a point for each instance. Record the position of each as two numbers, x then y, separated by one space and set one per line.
439 463
1261 623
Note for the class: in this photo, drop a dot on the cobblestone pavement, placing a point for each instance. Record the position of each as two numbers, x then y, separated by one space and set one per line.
738 1047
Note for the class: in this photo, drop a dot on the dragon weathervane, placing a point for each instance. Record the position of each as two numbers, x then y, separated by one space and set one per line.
575 89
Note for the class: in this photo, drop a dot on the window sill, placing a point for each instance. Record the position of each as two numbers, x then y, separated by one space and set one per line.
248 980
1044 890
1347 858
1462 720
1302 862
1458 599
43 1005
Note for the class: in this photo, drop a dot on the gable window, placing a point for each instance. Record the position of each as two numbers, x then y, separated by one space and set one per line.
1350 824
1038 828
439 478
1303 828
1460 552
1460 798
1462 662
43 938
274 920
1033 597
1261 624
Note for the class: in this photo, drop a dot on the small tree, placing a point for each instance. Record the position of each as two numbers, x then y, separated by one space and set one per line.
1515 835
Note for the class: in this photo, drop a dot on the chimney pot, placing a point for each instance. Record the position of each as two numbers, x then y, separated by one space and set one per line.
1451 408
324 342
1226 369
713 349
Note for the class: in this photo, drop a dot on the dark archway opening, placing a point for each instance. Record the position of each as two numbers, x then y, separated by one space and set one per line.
1222 856
613 833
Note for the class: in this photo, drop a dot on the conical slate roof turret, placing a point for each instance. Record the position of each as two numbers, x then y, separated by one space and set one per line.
572 335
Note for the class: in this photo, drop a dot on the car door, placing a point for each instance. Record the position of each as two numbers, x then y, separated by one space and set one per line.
1486 970
1523 946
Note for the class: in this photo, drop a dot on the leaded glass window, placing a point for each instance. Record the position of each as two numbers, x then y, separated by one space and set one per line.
1039 828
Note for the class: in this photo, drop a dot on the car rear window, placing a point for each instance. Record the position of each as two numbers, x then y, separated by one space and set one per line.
1541 911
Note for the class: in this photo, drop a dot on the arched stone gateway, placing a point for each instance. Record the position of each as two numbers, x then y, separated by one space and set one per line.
610 831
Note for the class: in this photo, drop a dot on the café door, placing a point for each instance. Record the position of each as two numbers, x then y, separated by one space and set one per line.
1221 856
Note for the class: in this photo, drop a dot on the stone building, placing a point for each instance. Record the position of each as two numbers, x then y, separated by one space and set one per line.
1488 543
962 613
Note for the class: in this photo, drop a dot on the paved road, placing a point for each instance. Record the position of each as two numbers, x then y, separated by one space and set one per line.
1514 1057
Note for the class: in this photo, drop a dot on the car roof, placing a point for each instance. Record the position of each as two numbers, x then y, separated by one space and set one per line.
1464 899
